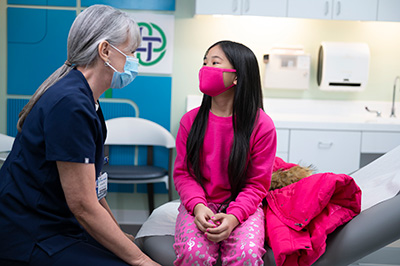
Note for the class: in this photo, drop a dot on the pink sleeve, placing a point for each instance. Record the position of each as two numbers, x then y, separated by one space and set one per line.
189 190
262 153
280 164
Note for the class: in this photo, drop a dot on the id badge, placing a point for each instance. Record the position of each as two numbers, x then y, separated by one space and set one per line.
101 186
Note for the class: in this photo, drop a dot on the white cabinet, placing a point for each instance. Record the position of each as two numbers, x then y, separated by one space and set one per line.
319 9
327 151
368 10
379 142
218 7
333 9
273 8
242 7
282 146
389 10
354 9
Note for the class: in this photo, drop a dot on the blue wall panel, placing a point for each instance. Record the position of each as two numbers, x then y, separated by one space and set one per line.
37 46
14 106
168 5
43 2
112 110
153 97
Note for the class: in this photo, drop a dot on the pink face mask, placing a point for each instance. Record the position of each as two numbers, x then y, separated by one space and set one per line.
212 80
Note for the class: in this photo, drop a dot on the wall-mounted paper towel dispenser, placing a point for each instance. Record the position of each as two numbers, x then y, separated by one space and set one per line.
343 66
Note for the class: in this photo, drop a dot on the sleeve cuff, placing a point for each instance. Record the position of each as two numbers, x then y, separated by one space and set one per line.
192 203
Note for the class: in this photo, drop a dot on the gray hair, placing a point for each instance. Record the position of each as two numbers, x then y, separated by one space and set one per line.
93 25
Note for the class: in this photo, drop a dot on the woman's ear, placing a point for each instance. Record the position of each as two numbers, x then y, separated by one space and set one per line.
104 50
235 80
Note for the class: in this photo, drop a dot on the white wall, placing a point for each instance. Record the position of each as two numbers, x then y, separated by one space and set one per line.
194 34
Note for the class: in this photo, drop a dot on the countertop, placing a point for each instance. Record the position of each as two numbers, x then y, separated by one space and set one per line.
325 114
324 122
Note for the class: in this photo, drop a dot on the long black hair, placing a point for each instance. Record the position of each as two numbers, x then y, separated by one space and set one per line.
246 105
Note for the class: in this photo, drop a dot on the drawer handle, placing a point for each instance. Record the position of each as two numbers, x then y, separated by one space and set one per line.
326 8
325 145
234 6
247 6
339 7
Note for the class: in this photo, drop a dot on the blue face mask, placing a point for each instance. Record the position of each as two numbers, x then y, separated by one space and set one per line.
122 79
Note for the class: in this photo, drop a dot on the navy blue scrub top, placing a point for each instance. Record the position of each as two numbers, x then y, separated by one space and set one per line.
62 126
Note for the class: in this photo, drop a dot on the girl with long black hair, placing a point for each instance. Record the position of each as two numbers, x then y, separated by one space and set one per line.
225 153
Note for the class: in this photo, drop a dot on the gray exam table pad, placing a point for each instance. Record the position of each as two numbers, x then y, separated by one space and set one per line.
371 230
374 228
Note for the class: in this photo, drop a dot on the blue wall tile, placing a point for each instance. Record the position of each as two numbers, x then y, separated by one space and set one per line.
167 5
14 106
153 97
112 110
43 2
37 46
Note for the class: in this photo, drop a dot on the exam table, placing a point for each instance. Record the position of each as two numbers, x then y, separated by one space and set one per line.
371 230
375 227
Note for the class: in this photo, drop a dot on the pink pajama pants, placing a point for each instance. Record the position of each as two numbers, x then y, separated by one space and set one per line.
245 245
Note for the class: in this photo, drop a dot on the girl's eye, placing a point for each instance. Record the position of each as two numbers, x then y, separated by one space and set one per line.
204 63
215 63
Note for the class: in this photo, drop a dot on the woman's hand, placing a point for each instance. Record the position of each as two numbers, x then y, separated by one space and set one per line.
131 237
226 223
202 216
149 262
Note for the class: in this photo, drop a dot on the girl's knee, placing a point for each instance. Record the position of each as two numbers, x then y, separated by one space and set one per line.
247 253
194 252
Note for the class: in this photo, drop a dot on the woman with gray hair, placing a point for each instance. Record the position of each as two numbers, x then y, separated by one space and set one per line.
52 205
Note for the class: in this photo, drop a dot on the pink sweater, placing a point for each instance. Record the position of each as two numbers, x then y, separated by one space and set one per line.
216 150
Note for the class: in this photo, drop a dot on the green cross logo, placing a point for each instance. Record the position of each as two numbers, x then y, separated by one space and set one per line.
152 49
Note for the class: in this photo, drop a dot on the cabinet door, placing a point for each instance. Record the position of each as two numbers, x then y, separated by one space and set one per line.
355 10
379 142
327 151
318 9
389 10
218 7
282 149
274 8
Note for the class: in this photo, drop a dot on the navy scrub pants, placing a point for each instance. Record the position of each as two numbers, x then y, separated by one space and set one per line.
85 253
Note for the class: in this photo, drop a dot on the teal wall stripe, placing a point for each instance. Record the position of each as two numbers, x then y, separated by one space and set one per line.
69 3
166 5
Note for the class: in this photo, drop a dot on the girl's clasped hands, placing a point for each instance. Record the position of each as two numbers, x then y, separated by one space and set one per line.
216 227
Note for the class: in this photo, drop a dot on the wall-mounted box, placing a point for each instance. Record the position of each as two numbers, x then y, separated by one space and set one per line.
287 68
